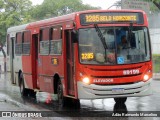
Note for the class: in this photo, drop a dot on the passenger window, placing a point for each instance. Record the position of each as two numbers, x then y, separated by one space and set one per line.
26 42
56 40
18 45
44 41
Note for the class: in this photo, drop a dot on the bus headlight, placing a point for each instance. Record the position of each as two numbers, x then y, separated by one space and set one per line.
86 80
145 77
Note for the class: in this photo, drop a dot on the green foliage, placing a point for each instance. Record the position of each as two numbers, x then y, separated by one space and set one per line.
52 8
16 12
153 5
158 1
13 12
156 63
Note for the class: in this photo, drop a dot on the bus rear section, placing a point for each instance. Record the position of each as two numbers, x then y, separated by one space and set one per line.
109 67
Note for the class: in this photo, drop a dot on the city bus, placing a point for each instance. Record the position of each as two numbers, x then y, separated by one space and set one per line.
80 56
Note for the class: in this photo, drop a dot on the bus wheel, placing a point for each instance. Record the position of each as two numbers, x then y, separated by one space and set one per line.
23 90
61 98
120 100
32 93
77 103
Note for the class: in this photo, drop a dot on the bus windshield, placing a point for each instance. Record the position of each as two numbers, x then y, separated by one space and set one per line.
125 45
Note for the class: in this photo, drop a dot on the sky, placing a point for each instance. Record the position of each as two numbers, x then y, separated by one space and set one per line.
104 4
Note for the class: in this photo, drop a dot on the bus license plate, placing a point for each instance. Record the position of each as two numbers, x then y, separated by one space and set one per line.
118 90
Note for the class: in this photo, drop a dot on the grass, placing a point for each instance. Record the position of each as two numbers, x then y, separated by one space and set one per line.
156 63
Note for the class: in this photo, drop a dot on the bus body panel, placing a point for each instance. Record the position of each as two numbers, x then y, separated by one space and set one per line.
48 69
27 71
116 73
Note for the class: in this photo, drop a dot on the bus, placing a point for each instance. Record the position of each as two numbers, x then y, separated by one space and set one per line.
80 56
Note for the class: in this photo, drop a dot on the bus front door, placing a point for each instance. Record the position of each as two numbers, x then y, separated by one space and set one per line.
70 63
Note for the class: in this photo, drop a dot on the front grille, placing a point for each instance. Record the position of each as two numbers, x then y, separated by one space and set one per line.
117 94
119 76
117 84
115 69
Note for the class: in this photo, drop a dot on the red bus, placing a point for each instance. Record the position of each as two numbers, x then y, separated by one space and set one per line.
82 55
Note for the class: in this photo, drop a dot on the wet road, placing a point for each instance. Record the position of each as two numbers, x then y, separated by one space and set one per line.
44 101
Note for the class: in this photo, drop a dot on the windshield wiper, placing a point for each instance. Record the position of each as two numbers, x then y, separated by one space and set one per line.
102 38
130 33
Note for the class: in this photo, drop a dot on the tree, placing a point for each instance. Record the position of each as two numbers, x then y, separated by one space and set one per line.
52 8
12 12
16 12
156 3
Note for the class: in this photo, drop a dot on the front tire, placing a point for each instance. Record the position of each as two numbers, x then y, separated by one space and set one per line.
120 100
76 103
61 99
64 101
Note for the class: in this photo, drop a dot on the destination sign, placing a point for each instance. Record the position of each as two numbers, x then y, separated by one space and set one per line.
114 17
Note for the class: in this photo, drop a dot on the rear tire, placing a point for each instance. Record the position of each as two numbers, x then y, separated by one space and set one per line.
32 93
120 100
23 90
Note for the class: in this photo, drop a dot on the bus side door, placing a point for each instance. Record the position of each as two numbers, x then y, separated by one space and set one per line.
70 73
35 39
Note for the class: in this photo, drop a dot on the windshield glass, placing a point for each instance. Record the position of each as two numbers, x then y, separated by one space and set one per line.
125 45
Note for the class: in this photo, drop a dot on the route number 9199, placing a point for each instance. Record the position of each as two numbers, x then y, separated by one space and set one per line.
131 72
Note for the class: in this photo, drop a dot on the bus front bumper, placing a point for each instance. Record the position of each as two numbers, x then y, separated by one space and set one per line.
93 91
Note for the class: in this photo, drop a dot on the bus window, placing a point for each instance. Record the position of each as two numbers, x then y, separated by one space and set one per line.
133 41
26 42
91 49
18 45
56 41
44 41
137 49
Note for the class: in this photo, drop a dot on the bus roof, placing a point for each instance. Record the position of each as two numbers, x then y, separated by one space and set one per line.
60 19
123 10
72 16
17 28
